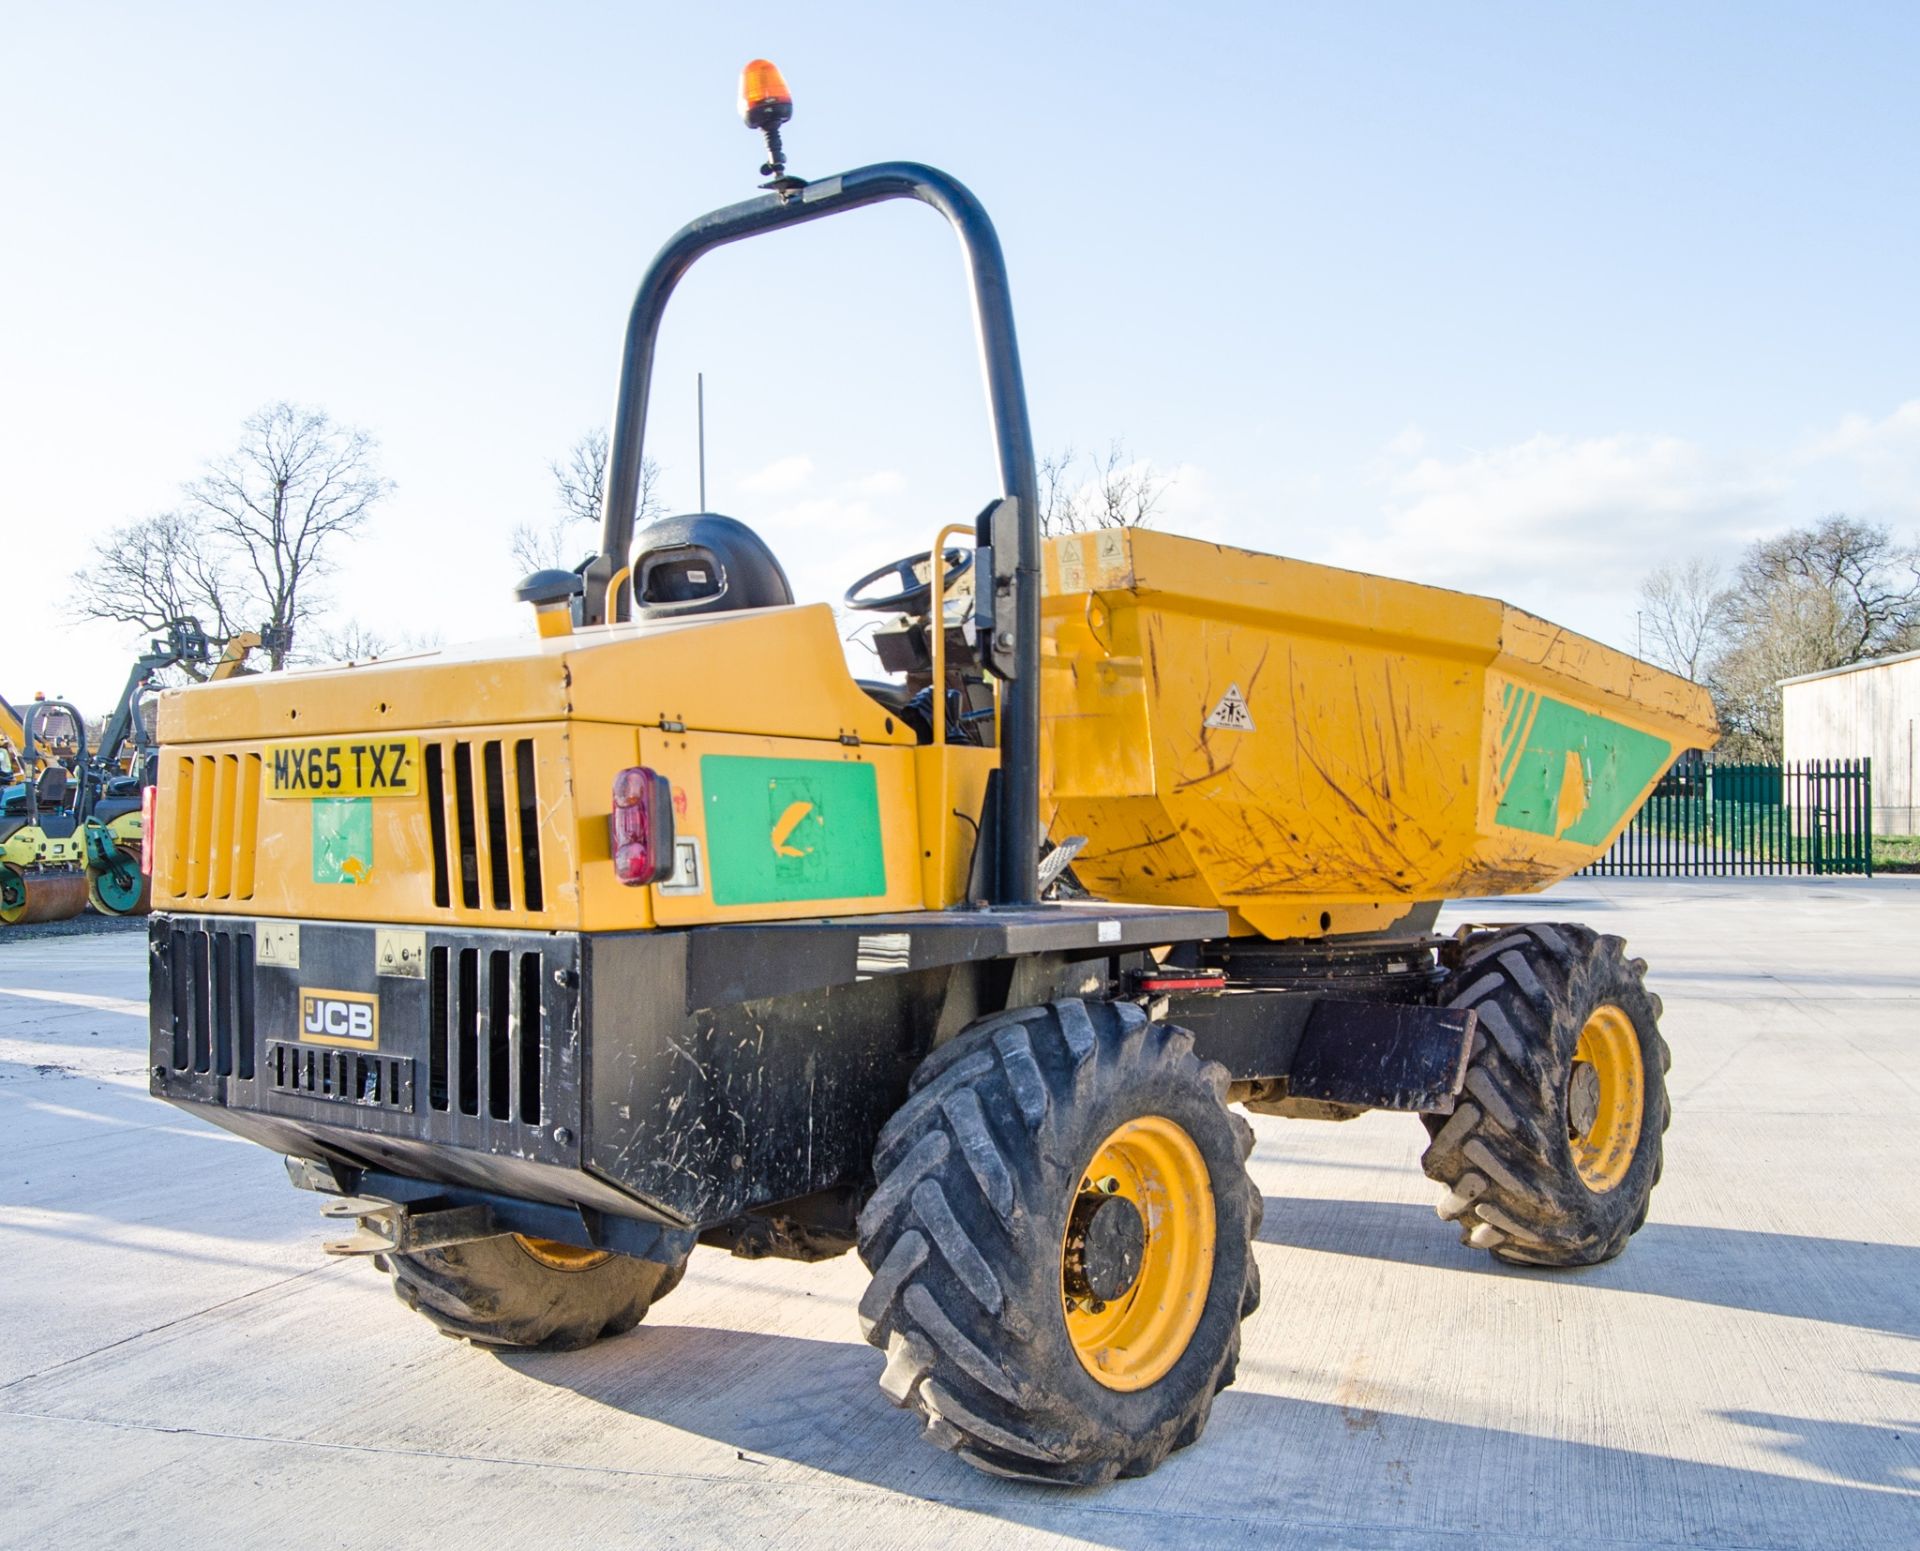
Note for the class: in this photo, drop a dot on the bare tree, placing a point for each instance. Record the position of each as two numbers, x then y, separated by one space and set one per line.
1056 492
353 640
282 500
1779 635
1116 490
1685 610
581 481
1809 600
1126 492
1860 587
159 569
580 488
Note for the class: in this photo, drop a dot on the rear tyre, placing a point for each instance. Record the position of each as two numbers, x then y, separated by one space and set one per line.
513 1291
1061 1239
1552 1152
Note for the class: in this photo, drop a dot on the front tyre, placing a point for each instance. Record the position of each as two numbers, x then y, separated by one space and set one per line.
515 1291
1554 1147
1061 1241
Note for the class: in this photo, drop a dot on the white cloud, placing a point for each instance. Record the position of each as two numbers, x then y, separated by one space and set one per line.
1881 456
1856 433
1190 504
780 476
1567 526
1410 443
825 541
879 482
1579 512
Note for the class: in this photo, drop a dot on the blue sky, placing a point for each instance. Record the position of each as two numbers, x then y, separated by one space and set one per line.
1516 298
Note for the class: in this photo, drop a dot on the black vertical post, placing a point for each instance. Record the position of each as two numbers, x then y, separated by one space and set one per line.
1707 824
1770 823
1866 812
1774 810
1830 853
1814 784
1789 796
1016 880
1809 825
1744 859
1789 799
1706 819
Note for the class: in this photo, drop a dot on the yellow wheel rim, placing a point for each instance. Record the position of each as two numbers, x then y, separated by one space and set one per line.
1131 1340
562 1257
1604 1141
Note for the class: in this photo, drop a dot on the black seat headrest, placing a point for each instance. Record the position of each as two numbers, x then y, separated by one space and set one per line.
704 563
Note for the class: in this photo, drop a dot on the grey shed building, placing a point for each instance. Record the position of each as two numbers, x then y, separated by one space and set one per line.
1867 710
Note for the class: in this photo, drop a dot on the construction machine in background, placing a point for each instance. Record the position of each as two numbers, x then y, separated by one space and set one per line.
553 958
72 817
43 871
124 766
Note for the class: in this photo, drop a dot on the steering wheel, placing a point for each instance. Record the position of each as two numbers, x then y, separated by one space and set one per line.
915 595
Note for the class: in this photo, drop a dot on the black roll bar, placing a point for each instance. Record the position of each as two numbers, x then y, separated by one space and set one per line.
30 719
1017 831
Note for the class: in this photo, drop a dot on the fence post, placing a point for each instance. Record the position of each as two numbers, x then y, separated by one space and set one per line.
1866 811
1816 813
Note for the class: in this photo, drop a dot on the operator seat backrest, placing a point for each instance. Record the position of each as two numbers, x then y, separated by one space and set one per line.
704 564
52 791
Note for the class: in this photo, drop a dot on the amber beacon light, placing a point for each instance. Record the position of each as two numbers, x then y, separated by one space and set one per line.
766 104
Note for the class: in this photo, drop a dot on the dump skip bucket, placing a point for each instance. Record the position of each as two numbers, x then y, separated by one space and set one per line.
1320 750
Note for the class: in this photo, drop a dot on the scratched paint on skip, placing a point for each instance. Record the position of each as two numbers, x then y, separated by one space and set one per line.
780 830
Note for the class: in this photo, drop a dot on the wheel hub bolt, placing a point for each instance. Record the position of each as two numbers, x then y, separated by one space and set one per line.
1106 1241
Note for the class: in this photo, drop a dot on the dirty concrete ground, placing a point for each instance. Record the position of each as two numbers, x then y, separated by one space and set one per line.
181 1364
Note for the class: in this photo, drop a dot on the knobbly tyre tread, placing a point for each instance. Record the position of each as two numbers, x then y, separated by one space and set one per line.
1502 1155
493 1293
974 1174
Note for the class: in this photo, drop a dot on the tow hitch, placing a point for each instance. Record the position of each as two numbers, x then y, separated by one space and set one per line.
392 1227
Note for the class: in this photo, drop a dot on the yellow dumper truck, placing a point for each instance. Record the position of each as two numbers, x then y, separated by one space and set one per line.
554 958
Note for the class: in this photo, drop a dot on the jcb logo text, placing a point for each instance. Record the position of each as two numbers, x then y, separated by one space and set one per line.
339 1018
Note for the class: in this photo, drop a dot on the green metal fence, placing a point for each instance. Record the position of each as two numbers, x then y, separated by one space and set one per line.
1706 819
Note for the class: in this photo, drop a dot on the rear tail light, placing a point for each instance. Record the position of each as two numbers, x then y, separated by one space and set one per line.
147 804
641 826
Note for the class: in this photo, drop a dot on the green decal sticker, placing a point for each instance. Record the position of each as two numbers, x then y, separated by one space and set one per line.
788 829
1567 772
342 839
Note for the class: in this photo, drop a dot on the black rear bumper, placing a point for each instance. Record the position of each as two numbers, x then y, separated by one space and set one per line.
473 1078
680 1078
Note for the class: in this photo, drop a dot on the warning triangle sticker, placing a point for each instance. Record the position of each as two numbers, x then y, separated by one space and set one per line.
1231 713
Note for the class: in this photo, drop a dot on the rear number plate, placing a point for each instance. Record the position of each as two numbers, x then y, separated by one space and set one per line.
383 767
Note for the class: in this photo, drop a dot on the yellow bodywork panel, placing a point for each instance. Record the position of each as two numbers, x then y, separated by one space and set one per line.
775 672
1313 749
787 828
474 786
1318 750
